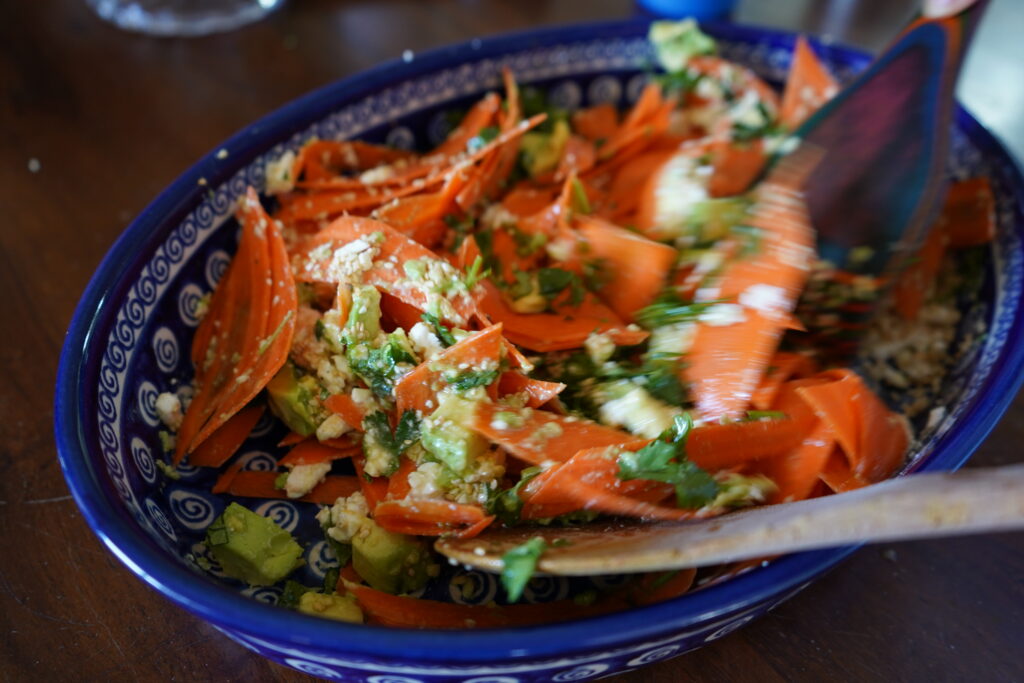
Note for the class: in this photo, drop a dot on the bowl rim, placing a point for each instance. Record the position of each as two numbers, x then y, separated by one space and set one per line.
229 610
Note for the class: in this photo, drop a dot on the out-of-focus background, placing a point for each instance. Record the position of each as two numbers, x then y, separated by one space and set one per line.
95 121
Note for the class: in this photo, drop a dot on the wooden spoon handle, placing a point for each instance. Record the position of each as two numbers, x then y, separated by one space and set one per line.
917 506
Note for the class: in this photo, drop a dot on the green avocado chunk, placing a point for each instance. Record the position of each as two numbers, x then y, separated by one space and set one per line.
445 437
331 606
390 562
252 548
293 399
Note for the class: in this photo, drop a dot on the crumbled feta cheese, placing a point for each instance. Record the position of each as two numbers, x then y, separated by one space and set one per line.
424 341
303 478
497 216
333 427
599 347
768 299
639 412
424 481
334 373
721 315
376 175
672 339
344 519
679 187
278 174
168 409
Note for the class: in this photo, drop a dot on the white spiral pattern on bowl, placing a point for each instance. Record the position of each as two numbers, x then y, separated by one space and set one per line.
156 514
143 460
469 587
267 594
165 349
654 656
282 513
566 95
263 426
216 265
257 461
580 673
320 557
188 304
634 86
546 589
604 90
312 668
392 679
193 511
401 137
147 403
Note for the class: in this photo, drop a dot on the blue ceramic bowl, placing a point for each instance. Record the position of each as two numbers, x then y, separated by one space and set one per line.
130 335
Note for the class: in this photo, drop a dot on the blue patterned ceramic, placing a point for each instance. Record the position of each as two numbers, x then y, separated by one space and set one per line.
130 336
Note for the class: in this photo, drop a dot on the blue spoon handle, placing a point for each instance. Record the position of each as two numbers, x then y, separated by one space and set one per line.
884 142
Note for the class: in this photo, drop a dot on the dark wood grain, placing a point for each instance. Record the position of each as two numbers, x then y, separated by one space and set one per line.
112 118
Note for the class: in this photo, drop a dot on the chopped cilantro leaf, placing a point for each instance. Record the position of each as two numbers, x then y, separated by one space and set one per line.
669 309
475 273
506 505
442 332
518 566
664 460
470 379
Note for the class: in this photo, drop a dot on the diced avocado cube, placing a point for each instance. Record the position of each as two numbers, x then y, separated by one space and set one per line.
542 151
252 548
711 219
444 435
390 562
293 398
331 606
363 322
676 42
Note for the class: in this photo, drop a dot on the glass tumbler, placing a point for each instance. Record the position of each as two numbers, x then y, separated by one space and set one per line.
182 17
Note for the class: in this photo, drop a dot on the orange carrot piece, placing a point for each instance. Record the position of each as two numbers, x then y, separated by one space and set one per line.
476 119
223 443
403 611
398 483
873 438
261 485
798 471
538 392
274 308
579 156
637 267
312 452
597 123
808 86
635 124
838 476
542 436
420 387
726 362
400 313
425 517
375 489
290 439
476 529
784 366
721 446
969 213
526 200
735 166
629 181
566 329
343 405
653 588
913 285
386 273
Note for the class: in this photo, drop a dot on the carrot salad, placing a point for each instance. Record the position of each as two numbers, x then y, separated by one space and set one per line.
551 316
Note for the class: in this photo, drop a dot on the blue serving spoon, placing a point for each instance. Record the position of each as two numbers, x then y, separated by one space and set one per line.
883 142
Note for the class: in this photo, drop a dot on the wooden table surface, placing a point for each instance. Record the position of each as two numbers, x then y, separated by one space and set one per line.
94 122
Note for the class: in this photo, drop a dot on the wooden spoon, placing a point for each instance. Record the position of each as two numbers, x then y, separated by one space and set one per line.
915 506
